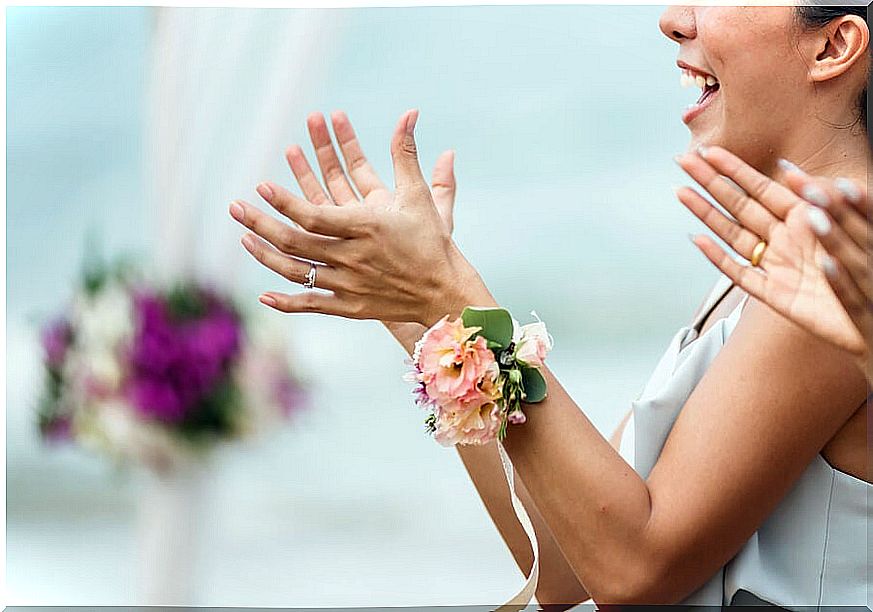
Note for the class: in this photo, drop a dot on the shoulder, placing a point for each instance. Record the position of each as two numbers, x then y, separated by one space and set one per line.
767 404
802 365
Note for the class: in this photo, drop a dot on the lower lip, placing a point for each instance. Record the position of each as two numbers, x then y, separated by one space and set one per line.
695 109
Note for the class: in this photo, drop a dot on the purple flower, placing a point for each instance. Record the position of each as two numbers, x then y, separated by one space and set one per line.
421 398
55 339
59 429
177 362
288 394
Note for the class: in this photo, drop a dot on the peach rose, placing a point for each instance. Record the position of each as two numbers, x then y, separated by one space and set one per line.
474 421
475 427
453 367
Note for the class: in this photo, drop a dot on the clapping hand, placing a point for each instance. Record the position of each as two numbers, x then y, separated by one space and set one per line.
387 256
813 264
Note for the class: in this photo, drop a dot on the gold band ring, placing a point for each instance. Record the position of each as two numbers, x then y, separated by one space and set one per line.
758 253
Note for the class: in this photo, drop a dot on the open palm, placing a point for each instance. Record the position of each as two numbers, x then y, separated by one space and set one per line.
787 277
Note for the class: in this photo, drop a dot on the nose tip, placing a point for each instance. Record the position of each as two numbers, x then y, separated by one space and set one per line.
677 23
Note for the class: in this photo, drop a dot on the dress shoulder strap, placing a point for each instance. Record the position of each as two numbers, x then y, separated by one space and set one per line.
716 294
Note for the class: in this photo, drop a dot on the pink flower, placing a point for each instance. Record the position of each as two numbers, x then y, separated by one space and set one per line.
456 425
534 344
471 421
454 367
517 417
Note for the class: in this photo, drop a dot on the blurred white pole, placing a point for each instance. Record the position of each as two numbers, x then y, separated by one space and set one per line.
225 86
171 514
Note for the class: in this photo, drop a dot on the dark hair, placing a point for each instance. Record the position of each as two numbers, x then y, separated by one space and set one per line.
815 16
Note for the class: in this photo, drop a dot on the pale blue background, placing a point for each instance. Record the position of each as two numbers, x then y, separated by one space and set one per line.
564 120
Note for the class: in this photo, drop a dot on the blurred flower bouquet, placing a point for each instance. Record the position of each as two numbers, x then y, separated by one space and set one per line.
155 374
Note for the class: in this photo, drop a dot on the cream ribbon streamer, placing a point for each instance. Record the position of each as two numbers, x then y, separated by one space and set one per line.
527 592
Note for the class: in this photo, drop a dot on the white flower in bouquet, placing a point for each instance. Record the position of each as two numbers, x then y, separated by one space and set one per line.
103 320
156 374
532 342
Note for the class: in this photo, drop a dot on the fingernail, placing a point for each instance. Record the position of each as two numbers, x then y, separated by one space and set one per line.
677 159
818 221
814 194
733 185
237 211
703 151
848 189
411 121
265 191
691 237
267 300
249 243
787 166
827 265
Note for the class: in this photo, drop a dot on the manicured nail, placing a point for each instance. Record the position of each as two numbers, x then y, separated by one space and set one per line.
265 191
249 243
827 265
237 211
411 121
814 194
267 300
848 189
677 159
691 237
818 221
703 151
787 166
733 185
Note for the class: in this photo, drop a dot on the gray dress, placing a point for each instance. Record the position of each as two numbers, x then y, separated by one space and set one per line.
812 550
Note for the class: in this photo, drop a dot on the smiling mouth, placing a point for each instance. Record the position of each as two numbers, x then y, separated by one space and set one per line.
709 87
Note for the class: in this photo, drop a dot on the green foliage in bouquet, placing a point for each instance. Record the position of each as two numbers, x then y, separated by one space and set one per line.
520 382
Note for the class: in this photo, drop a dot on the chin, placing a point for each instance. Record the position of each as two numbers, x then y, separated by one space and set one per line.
707 139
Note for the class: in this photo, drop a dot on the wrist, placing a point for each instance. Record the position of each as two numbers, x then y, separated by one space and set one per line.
462 286
476 373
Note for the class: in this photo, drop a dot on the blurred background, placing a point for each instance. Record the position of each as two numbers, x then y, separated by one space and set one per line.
129 130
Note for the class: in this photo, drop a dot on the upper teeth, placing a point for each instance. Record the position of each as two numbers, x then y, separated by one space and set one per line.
689 78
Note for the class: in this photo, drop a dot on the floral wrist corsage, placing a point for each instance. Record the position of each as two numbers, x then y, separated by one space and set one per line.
473 374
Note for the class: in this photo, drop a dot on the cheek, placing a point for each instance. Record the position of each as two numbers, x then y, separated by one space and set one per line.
762 75
748 45
757 94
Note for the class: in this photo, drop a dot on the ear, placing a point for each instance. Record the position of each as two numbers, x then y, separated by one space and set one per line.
841 44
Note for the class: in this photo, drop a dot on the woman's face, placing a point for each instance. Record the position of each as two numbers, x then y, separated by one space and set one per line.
754 76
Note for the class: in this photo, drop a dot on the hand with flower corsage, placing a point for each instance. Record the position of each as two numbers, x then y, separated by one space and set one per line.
386 256
390 256
807 240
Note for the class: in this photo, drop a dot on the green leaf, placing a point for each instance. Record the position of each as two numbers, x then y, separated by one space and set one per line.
495 324
534 385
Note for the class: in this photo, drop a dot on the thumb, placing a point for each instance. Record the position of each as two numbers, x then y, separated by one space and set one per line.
404 153
443 185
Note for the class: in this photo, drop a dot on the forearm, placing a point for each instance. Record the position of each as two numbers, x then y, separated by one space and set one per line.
596 506
558 584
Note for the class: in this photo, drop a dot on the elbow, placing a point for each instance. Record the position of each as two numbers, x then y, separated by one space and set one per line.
645 580
556 598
